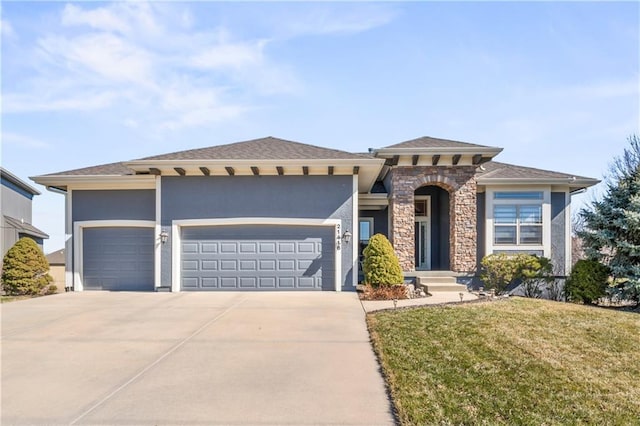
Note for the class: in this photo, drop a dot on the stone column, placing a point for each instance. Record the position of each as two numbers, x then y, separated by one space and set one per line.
463 231
402 232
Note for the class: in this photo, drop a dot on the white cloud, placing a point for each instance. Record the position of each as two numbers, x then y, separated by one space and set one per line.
229 55
148 61
100 18
345 19
6 29
23 141
78 101
102 54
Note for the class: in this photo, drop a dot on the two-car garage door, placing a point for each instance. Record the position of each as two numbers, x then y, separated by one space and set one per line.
257 257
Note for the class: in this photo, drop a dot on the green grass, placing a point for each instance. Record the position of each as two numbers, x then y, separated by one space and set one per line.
518 361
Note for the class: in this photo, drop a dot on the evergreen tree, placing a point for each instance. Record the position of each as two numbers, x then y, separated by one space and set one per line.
611 226
25 270
381 265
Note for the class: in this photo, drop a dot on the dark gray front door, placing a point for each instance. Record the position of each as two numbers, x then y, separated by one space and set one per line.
118 259
257 257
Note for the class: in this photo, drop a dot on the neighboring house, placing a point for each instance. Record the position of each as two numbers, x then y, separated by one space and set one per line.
57 269
270 214
15 211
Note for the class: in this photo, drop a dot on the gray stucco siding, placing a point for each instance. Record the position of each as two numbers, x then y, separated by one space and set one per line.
559 204
380 220
216 197
127 204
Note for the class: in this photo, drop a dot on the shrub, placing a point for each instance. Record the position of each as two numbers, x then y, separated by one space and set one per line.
498 271
534 271
381 265
385 292
25 270
502 270
587 281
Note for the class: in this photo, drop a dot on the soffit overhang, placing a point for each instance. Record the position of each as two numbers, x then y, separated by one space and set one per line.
437 156
367 169
572 183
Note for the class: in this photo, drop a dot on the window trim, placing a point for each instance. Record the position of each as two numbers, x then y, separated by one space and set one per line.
371 229
491 202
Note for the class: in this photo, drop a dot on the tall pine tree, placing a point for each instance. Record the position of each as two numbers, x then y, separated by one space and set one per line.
611 226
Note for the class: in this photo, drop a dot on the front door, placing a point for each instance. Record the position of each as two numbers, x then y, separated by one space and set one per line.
423 233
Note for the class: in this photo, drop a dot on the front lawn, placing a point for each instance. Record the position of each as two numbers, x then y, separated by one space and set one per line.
517 361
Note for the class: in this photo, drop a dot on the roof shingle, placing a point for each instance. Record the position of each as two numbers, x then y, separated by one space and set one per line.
268 148
497 170
429 142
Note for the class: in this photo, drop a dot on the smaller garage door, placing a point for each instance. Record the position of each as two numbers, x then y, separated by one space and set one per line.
258 257
118 259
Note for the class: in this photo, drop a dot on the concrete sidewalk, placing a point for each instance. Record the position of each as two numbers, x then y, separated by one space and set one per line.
187 358
436 298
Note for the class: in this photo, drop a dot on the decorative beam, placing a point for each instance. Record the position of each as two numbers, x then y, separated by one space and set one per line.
330 170
435 159
305 170
180 171
280 170
255 171
414 159
205 171
230 170
356 169
155 171
477 159
456 159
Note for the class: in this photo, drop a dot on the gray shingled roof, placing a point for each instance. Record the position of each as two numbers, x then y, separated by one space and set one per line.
429 142
117 169
268 148
24 227
56 258
497 170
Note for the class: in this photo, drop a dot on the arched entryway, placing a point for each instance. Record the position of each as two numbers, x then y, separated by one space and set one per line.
431 228
459 184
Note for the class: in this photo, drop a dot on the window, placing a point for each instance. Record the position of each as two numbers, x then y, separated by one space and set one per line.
517 223
523 195
365 230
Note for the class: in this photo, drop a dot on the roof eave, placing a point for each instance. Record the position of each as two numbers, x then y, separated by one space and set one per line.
18 182
485 151
571 182
143 165
62 182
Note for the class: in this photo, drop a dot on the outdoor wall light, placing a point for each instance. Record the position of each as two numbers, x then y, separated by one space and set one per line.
346 237
164 236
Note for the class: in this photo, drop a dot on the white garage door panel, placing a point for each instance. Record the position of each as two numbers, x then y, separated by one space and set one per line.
257 258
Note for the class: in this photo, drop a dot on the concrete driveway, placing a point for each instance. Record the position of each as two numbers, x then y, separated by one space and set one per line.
190 358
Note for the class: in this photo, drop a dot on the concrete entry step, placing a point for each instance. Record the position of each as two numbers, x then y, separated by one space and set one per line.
434 281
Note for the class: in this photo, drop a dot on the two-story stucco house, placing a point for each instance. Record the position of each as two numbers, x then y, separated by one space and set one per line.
271 214
16 211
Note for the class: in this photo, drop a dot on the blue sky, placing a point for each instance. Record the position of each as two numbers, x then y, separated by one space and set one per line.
556 84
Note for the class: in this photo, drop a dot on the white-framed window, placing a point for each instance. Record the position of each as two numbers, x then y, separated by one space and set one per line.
365 229
517 218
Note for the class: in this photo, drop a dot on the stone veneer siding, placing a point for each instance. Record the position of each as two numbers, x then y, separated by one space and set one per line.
460 182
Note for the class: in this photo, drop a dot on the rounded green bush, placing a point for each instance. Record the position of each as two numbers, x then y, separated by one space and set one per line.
381 265
25 270
587 281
